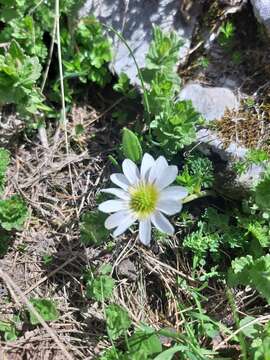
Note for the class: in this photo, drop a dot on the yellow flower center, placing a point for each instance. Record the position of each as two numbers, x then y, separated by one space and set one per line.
144 198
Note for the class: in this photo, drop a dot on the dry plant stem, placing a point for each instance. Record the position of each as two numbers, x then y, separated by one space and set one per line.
18 296
57 16
261 319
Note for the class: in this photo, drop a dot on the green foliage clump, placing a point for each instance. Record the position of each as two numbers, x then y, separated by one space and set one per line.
172 122
260 345
45 308
197 174
86 52
226 35
253 157
18 80
214 231
9 330
27 34
13 213
4 162
262 192
252 272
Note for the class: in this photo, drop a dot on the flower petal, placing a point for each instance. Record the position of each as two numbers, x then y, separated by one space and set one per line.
162 223
117 192
160 165
120 180
169 207
131 171
116 219
145 231
147 163
166 176
111 206
174 193
129 220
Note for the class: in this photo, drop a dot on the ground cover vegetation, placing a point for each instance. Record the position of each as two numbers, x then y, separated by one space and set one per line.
195 288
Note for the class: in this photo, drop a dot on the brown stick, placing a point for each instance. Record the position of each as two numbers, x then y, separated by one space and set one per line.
18 296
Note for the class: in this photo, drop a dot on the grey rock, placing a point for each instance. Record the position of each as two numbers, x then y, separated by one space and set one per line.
127 269
211 102
262 12
134 19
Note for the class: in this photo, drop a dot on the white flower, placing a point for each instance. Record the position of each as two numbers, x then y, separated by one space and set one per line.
144 195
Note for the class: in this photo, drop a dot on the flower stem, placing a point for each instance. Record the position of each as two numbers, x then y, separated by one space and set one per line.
199 195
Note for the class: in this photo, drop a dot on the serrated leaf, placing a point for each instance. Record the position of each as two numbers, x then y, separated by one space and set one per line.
262 192
131 146
254 273
13 213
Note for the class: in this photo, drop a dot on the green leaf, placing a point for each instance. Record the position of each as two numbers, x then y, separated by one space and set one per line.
131 146
254 273
100 288
45 308
9 330
144 342
13 213
262 192
249 331
168 354
93 231
117 320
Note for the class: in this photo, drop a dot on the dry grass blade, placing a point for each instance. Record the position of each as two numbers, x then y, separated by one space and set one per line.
18 296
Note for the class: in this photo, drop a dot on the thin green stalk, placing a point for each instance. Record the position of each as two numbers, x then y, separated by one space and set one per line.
145 96
237 321
199 195
59 52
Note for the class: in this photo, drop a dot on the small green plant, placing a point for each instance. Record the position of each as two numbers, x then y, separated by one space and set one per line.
13 213
100 286
18 80
197 174
226 35
9 330
87 54
203 62
45 308
172 122
117 320
253 157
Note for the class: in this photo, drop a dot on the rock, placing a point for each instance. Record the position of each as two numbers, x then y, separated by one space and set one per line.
262 12
211 102
134 19
127 269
